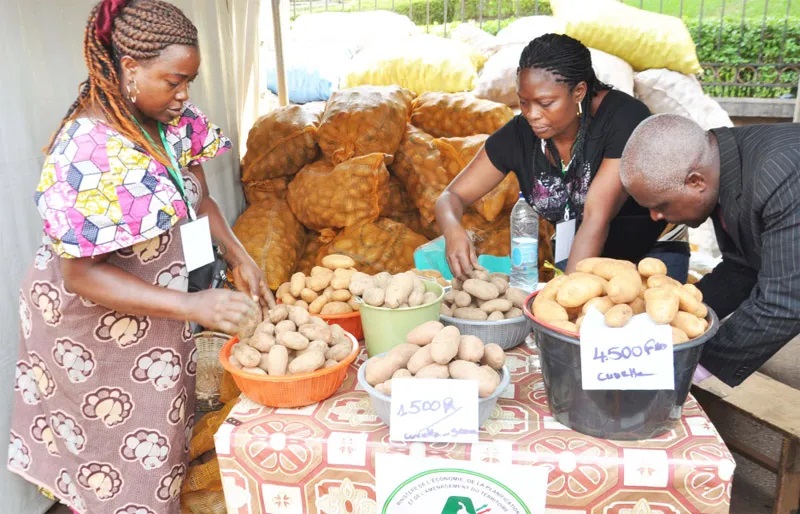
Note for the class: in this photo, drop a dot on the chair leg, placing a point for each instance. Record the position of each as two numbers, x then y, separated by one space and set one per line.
787 498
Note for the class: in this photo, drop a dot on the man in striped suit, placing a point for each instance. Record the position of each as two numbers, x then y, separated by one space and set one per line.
747 180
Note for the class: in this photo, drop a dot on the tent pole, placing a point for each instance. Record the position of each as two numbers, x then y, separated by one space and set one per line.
283 93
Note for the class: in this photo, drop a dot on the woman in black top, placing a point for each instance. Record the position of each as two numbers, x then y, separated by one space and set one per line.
564 148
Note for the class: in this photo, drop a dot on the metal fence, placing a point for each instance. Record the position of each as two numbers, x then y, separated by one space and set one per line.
748 48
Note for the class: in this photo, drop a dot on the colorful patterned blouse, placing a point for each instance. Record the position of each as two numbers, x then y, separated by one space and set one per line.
99 192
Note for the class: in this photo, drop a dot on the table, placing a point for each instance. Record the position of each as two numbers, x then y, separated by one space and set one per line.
321 459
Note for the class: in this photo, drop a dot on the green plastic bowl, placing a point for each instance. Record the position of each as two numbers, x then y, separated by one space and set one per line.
386 328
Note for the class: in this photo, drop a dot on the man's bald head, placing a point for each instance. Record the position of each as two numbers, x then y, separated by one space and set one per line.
670 165
661 152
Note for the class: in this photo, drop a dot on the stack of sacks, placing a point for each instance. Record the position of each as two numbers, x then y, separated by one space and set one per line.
361 179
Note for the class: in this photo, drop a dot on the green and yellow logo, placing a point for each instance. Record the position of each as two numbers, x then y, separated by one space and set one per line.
463 505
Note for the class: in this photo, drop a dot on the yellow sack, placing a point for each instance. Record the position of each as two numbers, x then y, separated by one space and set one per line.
280 143
380 245
273 237
354 191
419 165
458 114
363 120
311 254
420 63
267 190
642 38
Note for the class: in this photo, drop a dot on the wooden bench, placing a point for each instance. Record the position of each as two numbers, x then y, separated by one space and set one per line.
773 405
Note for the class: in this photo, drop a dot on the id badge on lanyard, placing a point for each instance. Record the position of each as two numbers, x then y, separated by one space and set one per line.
565 235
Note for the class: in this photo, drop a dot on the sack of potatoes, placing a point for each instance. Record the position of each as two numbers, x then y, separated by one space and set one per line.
288 341
483 296
620 290
326 290
433 350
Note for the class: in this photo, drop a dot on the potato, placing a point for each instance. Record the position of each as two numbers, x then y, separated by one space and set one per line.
340 283
247 356
334 261
493 356
618 315
429 297
689 323
360 282
694 290
402 373
480 289
288 299
278 361
500 284
383 279
314 346
403 352
254 371
567 326
579 289
307 362
496 316
515 312
578 323
382 387
423 334
398 290
609 268
444 345
319 282
661 304
678 336
234 361
308 295
464 370
286 325
297 283
292 340
470 348
302 304
624 287
344 273
381 369
279 313
251 321
339 351
480 274
470 313
661 281
316 306
549 311
317 332
445 310
339 335
320 270
638 306
417 293
550 289
322 323
374 296
264 362
687 301
284 289
498 304
601 303
433 371
587 265
488 381
420 359
265 327
331 363
299 316
341 295
450 296
650 266
354 304
462 299
335 308
516 295
262 341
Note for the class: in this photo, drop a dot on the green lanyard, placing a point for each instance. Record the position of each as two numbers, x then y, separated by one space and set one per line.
174 170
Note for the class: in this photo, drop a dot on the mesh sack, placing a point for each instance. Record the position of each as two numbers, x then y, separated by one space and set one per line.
268 190
380 245
203 502
228 390
273 237
363 120
353 191
419 166
458 114
311 254
204 430
280 143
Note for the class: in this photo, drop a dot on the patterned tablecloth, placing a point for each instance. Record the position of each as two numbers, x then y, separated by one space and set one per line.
321 459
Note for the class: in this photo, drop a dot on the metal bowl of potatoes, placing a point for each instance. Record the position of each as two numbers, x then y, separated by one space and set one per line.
507 333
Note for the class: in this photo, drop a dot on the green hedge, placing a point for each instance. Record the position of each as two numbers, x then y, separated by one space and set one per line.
742 44
473 10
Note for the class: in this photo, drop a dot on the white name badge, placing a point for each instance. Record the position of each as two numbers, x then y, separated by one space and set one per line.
565 235
196 239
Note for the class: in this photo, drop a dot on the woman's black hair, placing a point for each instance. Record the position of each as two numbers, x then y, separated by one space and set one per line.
571 63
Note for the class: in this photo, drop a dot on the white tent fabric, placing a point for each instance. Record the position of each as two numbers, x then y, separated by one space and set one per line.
41 52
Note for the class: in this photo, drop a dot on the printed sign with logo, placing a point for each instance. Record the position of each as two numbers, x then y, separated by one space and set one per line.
413 485
637 356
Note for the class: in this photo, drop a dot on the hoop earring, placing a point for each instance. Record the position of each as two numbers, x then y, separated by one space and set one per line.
130 87
580 110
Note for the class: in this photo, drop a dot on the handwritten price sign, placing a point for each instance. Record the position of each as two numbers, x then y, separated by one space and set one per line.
636 356
432 410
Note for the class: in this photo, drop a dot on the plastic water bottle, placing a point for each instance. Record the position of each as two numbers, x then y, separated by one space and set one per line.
524 246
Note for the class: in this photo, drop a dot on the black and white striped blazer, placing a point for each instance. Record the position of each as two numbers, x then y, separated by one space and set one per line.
758 230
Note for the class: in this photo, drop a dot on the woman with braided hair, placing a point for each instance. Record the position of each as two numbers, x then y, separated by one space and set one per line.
104 385
565 147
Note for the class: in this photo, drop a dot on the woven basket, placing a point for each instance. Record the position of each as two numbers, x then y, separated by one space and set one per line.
209 370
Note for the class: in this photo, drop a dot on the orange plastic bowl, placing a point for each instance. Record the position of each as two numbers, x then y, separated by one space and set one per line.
290 390
350 322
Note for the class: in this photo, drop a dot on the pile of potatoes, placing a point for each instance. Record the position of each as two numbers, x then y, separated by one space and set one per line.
484 296
325 291
620 289
432 350
398 291
289 341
